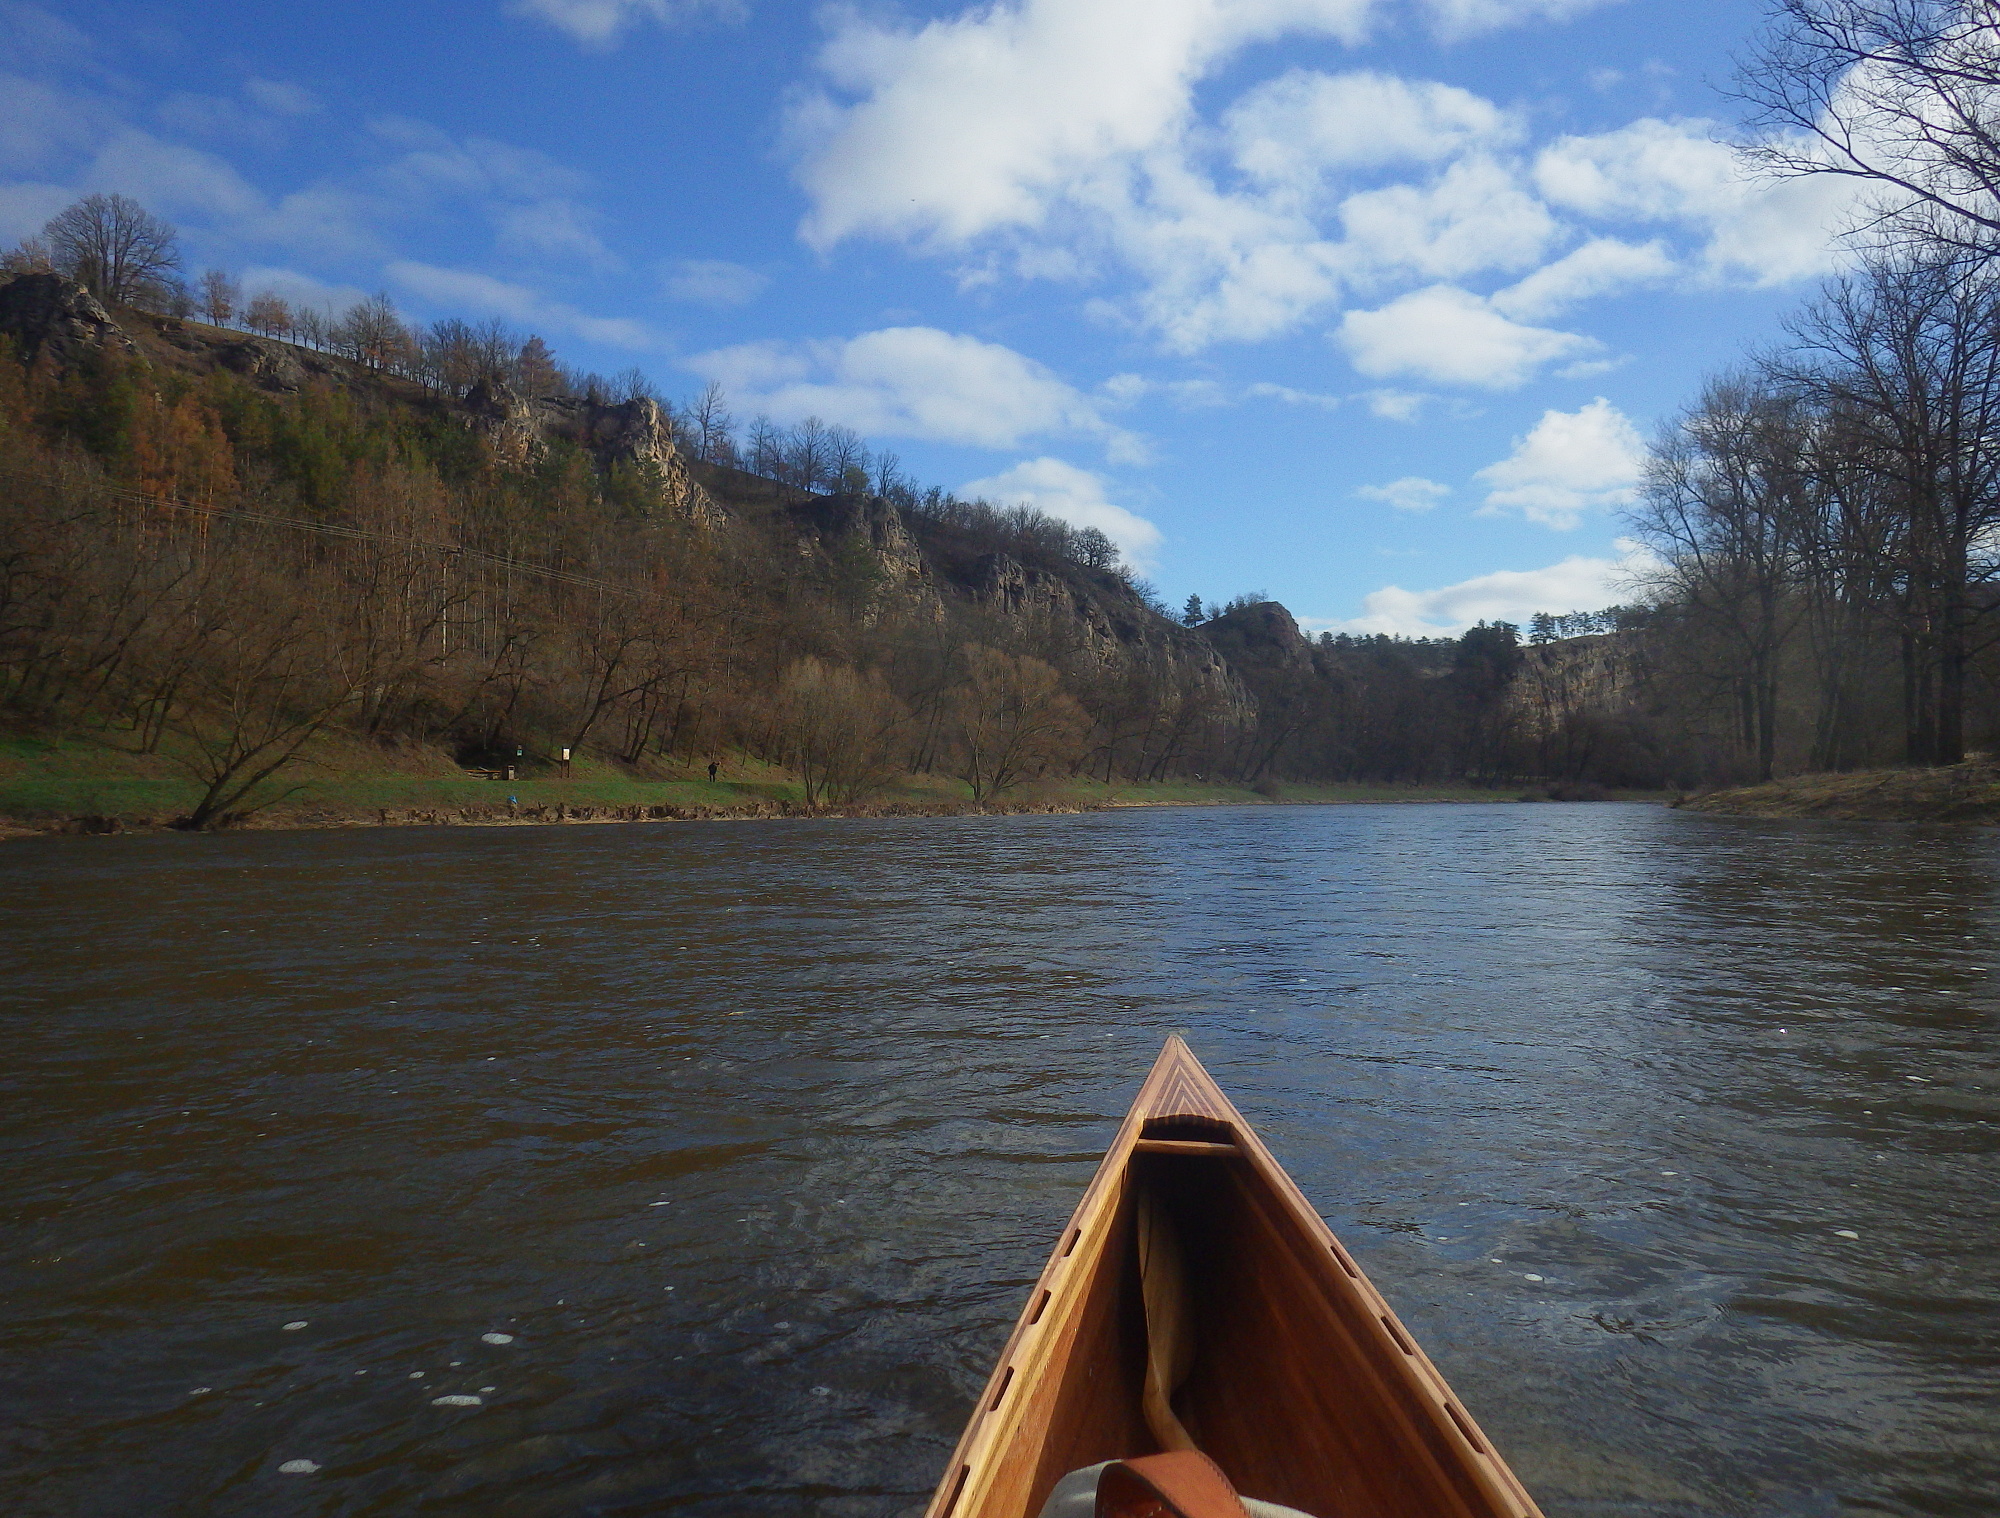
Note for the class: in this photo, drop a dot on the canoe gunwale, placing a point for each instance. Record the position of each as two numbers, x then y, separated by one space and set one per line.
1191 1115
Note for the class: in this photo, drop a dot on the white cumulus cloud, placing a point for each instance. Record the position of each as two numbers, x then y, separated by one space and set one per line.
980 120
1395 405
1072 495
1454 20
1600 267
1297 129
1578 583
1060 139
1453 337
1472 218
1411 493
1675 171
1569 463
1069 140
916 382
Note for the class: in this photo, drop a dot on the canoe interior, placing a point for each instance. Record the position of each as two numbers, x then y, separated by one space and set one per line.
1304 1388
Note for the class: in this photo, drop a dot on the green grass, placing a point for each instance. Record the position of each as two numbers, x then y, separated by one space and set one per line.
85 776
80 777
43 779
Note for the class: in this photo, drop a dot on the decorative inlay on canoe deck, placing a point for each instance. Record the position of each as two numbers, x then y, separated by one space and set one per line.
1287 1367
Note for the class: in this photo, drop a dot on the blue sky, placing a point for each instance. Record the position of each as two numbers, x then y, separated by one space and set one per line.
1366 305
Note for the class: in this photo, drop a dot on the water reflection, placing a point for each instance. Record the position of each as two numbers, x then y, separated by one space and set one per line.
751 1137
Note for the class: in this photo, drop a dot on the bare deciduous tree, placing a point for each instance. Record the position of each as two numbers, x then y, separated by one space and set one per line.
843 729
1906 354
268 314
634 384
267 679
765 448
30 255
220 296
1011 720
1725 509
847 460
372 332
115 246
1900 95
709 418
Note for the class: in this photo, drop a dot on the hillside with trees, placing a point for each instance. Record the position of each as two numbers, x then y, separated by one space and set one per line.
229 542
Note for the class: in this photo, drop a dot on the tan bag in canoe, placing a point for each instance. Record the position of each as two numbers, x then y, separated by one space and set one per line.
1181 1484
1178 1484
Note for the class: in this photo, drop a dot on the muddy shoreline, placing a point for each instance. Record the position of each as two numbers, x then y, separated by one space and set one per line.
318 818
328 817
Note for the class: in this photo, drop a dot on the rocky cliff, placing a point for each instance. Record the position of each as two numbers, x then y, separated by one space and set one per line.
631 433
1263 634
1561 681
1112 627
55 320
866 541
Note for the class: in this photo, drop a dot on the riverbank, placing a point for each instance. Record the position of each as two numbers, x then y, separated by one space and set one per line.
1955 793
86 785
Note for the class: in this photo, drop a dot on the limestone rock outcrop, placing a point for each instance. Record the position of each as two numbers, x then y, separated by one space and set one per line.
271 365
634 432
52 316
1108 624
871 530
1560 681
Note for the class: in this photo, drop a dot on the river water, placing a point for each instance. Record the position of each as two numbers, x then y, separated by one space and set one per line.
1672 1137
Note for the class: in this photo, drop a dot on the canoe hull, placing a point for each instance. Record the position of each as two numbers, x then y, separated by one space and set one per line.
1305 1388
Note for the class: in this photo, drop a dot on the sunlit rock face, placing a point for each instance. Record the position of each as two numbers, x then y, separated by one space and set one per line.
632 433
866 553
52 316
1094 619
1560 681
270 365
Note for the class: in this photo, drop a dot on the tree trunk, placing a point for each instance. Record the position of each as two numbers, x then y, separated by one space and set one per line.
1948 741
1916 750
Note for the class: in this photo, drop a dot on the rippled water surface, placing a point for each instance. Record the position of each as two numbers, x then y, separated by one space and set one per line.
1673 1138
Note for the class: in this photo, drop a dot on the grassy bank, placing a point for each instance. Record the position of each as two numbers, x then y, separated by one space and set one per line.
1954 793
84 784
